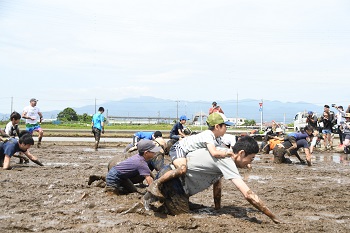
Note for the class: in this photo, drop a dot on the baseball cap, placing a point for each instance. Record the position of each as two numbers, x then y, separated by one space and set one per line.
326 106
347 115
309 112
183 117
217 118
33 99
147 145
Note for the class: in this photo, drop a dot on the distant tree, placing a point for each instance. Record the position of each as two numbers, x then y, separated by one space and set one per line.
68 114
249 122
85 117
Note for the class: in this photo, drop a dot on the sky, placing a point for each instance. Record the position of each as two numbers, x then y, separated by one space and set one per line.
72 53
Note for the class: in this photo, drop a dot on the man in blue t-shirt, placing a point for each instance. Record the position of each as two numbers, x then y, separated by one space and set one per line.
13 145
98 125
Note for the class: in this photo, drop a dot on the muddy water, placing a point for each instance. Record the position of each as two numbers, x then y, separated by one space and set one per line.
56 197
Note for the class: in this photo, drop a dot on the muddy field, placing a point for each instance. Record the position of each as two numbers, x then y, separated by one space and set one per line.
57 198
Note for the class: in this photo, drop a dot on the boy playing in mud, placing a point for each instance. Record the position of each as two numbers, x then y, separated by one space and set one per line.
204 171
12 130
12 145
217 126
118 177
142 135
176 132
294 137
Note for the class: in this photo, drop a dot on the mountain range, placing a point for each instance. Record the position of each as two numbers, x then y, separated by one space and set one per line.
146 106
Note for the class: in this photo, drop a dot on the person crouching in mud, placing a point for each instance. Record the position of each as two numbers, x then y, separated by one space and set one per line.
9 147
294 142
118 177
204 170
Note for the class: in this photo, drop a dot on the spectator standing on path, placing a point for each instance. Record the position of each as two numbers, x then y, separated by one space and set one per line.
98 125
327 129
215 108
340 118
31 113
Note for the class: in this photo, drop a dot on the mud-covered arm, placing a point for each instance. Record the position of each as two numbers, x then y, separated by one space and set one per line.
218 153
33 158
149 179
217 187
6 163
253 199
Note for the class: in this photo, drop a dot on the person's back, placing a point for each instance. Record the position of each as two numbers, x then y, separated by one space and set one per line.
144 135
98 126
198 141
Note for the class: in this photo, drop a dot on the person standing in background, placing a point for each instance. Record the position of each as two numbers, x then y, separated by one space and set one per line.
31 113
98 125
340 118
215 108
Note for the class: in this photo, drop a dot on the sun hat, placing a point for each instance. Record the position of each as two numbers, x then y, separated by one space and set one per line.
217 118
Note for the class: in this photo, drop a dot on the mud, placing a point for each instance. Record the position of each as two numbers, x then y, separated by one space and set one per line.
57 198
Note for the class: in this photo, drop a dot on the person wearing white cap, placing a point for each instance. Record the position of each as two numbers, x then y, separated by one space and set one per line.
33 117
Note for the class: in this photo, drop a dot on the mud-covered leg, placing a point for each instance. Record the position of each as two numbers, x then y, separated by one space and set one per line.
93 178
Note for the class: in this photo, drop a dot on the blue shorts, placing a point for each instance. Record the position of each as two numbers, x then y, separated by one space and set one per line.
326 131
174 136
33 127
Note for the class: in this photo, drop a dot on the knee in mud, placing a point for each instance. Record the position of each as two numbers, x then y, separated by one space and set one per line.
278 154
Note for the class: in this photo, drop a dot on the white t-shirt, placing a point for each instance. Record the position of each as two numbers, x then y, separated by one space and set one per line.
32 112
198 141
10 129
203 170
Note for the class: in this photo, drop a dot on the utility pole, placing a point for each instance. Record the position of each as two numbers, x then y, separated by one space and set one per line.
177 109
237 111
261 114
11 104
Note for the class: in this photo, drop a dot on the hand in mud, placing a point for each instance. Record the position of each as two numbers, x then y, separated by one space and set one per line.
38 162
